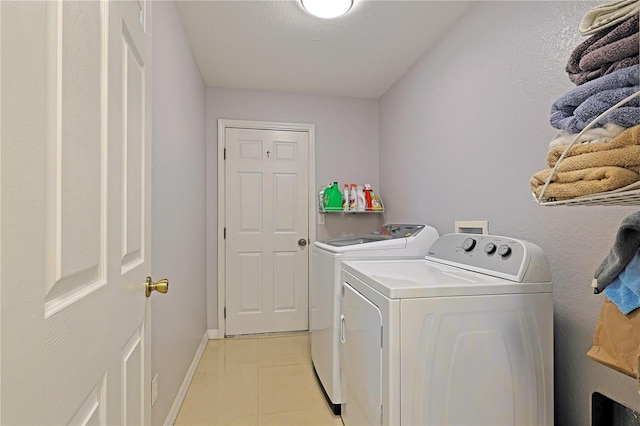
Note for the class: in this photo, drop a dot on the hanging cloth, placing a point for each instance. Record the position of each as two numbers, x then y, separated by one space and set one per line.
624 248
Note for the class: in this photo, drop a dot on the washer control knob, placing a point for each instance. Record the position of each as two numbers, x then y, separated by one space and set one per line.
490 248
468 244
504 250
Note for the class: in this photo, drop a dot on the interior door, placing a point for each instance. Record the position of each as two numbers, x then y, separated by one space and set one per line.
267 230
75 213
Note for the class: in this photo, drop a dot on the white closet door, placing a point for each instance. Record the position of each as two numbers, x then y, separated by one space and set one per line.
266 231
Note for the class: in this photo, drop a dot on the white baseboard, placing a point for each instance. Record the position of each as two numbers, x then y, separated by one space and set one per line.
184 387
213 334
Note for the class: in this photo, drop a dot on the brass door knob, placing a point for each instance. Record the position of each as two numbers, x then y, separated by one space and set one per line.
161 286
302 242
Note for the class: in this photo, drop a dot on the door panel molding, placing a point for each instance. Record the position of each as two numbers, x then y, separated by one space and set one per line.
68 307
223 125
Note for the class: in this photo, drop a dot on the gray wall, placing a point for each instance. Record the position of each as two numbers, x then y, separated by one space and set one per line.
178 240
461 134
346 139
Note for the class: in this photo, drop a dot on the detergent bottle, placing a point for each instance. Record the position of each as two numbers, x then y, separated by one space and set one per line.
367 196
345 197
334 201
376 203
353 197
361 203
324 196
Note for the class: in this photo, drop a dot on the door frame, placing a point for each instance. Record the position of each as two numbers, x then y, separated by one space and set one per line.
224 124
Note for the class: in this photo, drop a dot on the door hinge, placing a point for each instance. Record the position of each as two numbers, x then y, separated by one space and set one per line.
225 312
224 154
225 233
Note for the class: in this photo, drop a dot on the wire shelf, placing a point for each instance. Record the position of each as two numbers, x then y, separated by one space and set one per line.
627 196
321 208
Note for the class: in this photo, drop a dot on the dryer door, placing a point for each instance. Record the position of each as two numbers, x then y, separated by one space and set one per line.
360 359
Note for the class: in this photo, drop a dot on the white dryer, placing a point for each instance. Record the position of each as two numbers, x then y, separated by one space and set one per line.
462 337
389 241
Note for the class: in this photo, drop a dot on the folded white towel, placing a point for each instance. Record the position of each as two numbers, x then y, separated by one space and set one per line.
594 135
607 15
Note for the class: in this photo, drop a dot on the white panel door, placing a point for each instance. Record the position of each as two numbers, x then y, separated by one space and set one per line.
266 217
75 212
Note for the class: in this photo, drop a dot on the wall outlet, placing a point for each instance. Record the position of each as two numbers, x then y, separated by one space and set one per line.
154 389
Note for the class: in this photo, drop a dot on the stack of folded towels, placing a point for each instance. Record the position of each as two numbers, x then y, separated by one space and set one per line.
592 168
605 69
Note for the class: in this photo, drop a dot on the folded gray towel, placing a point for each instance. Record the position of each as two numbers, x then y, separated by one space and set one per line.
569 113
584 76
624 248
607 51
625 116
616 51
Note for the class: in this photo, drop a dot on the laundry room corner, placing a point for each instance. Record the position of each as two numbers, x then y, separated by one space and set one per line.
463 131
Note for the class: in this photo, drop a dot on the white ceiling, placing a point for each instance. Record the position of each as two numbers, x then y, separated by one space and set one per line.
275 45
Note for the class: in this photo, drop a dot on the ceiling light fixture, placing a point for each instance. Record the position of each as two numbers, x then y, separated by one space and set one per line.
327 8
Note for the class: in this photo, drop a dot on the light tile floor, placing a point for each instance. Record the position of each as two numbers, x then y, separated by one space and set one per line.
257 380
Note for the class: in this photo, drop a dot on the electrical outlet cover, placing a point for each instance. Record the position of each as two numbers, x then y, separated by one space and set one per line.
471 227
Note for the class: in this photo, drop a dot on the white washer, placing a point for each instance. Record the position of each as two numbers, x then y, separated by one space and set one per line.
389 241
462 337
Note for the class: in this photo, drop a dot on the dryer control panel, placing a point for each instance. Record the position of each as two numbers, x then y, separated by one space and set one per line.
494 255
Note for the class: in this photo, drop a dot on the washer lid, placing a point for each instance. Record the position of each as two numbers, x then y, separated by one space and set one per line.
360 243
390 236
400 279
